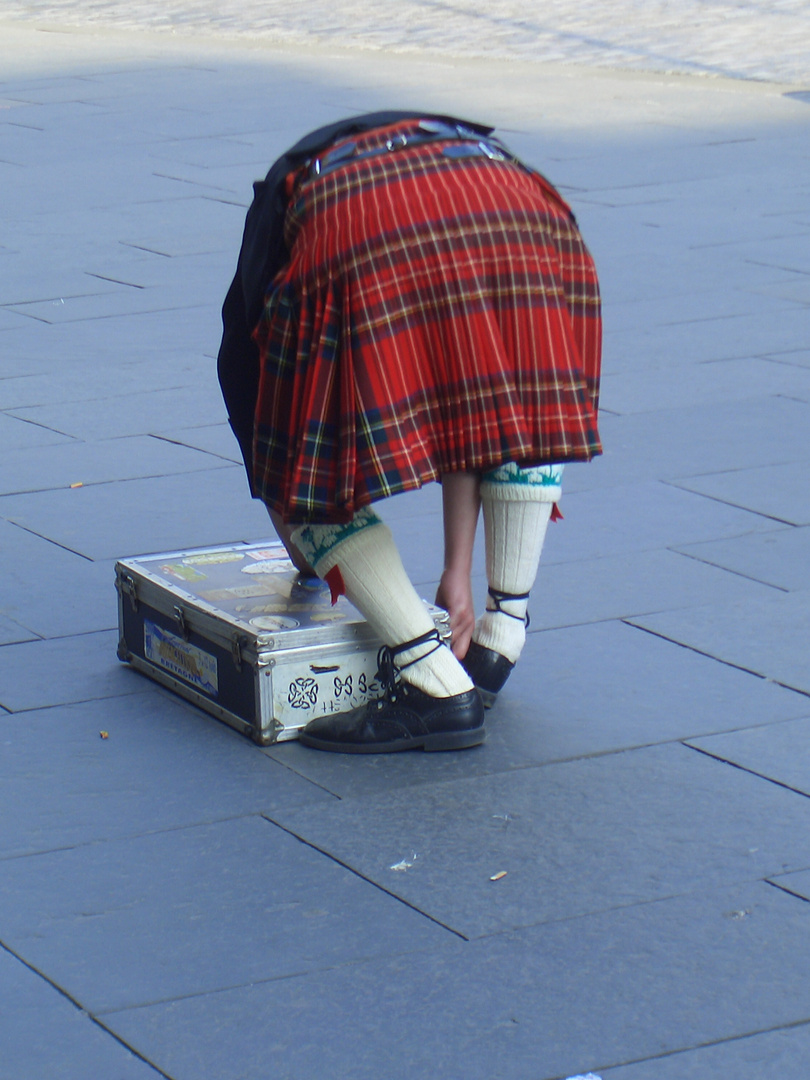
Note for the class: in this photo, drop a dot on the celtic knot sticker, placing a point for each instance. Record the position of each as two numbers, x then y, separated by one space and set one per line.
303 693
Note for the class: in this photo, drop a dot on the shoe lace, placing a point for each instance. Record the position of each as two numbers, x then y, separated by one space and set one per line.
388 671
499 597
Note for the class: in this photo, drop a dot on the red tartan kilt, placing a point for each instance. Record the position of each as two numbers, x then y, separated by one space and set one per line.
436 314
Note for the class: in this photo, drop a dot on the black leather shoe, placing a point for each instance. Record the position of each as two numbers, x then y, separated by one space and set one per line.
404 719
488 669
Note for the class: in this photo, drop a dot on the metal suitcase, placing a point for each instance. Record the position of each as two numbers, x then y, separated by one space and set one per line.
238 631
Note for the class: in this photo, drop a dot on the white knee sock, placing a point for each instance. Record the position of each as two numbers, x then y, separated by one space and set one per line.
376 583
517 505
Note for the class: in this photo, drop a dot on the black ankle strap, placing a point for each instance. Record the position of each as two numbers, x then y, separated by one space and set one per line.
388 671
499 597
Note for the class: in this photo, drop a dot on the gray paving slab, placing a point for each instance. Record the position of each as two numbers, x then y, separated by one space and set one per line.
104 461
147 336
615 520
38 674
52 592
11 631
693 306
109 521
16 434
693 193
156 917
164 765
575 837
569 593
782 1053
766 636
604 687
780 557
682 386
776 752
781 492
43 1033
680 443
796 289
617 587
105 305
795 357
555 1001
138 413
787 253
725 338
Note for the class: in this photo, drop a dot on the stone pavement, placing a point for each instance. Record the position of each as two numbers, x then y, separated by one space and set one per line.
176 901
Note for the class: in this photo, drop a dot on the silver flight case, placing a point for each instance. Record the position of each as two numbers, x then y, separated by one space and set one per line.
238 631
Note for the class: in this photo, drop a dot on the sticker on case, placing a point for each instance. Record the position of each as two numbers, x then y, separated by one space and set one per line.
268 566
276 553
213 558
274 622
184 573
178 657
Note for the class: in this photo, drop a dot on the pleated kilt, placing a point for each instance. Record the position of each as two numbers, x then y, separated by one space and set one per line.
436 314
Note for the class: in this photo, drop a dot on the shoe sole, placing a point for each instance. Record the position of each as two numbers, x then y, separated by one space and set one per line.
451 740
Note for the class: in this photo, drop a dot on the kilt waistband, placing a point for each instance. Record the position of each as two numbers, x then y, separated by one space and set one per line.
465 143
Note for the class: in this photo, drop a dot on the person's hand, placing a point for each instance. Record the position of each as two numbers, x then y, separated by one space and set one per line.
455 596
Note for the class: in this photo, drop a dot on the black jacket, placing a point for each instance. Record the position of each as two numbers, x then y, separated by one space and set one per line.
262 255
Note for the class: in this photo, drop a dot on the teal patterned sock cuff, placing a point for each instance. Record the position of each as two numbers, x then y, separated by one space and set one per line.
510 482
318 542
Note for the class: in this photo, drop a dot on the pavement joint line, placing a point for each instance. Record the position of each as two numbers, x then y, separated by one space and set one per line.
728 570
143 247
286 977
78 1005
701 652
36 423
127 837
787 686
115 281
300 775
730 502
630 906
783 888
66 704
203 467
118 315
57 299
48 540
745 769
594 755
793 1024
363 877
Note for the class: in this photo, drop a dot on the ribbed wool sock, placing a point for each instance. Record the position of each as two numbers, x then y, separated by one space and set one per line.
376 583
516 517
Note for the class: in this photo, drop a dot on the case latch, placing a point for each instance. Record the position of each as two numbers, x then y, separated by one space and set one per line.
236 651
128 588
180 619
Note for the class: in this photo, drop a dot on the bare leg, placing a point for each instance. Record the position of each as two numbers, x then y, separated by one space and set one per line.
461 503
285 536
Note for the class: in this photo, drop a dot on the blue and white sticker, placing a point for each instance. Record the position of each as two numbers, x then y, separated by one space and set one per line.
179 658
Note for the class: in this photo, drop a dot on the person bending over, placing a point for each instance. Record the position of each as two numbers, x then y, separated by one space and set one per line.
413 303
